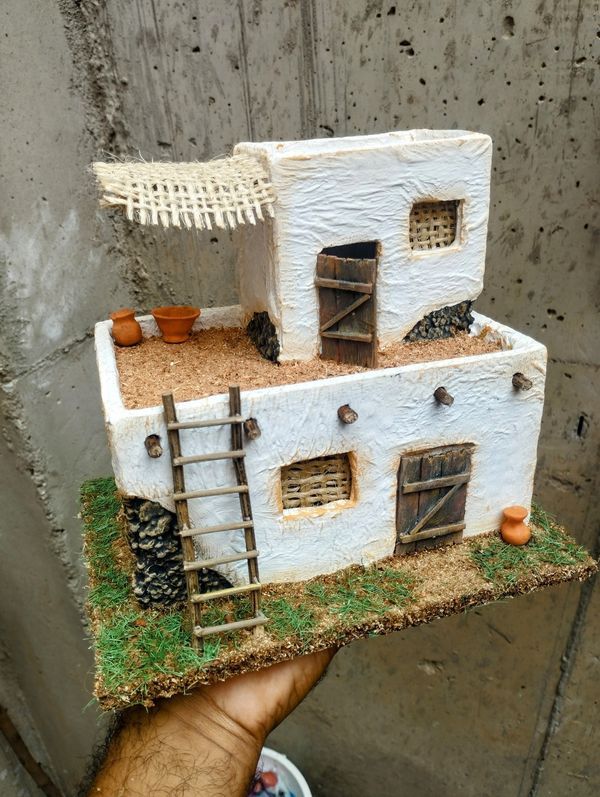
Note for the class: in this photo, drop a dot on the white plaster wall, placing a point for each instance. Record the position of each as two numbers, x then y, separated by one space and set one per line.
397 414
337 191
256 267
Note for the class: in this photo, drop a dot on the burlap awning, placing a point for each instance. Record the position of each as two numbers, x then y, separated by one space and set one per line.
220 193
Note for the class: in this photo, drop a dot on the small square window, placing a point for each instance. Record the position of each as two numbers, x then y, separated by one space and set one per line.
433 225
316 482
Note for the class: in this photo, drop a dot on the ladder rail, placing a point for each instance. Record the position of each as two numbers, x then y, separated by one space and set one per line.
209 457
237 442
185 496
203 597
203 423
182 513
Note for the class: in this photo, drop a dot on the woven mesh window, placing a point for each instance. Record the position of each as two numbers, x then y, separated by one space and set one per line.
316 482
433 224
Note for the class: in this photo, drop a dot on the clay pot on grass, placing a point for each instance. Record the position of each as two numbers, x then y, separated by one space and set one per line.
125 329
513 530
175 321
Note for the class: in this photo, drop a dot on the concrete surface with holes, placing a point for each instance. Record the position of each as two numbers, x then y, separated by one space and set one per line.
500 699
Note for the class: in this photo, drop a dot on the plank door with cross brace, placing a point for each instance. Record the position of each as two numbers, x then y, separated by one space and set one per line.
432 491
346 277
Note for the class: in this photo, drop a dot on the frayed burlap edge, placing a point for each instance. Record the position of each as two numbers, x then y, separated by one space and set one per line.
223 193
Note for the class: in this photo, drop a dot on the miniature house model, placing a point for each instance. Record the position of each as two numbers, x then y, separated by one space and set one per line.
346 247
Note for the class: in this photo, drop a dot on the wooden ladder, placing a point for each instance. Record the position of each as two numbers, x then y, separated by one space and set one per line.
181 496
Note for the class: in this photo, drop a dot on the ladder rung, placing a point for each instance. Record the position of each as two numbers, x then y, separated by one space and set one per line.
260 619
238 488
206 422
240 524
200 597
221 560
207 457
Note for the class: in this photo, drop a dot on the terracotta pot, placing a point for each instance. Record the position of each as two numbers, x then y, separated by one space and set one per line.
125 329
513 530
175 321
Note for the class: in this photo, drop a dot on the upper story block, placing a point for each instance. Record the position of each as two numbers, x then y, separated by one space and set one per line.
416 202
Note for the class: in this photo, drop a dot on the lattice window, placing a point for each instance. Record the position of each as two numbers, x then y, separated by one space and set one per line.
433 225
316 482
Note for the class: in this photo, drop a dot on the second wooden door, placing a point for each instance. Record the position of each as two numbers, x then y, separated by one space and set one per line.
347 311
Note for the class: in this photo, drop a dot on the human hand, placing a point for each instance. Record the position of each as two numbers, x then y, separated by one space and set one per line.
208 741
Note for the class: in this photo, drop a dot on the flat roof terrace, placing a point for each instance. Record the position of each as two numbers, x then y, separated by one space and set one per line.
213 359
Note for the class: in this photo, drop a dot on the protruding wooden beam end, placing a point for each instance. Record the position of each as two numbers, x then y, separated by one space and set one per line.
252 429
521 382
346 414
442 396
153 446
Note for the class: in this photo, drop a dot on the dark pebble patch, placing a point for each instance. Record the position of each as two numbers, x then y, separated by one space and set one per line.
158 578
263 334
444 323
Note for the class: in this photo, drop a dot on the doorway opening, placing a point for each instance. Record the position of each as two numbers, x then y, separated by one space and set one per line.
346 281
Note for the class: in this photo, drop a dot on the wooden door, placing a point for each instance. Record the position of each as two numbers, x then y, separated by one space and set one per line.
432 491
347 322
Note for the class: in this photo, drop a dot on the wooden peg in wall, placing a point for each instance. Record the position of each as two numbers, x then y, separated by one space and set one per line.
346 414
520 382
153 446
442 396
251 428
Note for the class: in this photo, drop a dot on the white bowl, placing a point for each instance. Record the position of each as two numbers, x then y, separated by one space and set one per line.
290 777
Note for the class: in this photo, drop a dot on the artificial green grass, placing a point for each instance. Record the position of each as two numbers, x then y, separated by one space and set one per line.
142 654
109 587
549 545
287 620
354 593
134 645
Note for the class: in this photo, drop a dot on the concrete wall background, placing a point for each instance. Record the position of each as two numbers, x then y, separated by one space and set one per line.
501 700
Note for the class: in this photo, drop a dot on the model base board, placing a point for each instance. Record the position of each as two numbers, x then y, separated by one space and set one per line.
144 654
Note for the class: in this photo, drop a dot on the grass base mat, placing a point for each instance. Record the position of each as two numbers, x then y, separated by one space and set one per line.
142 655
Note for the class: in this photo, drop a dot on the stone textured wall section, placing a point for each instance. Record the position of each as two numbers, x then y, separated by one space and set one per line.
443 323
263 334
158 578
